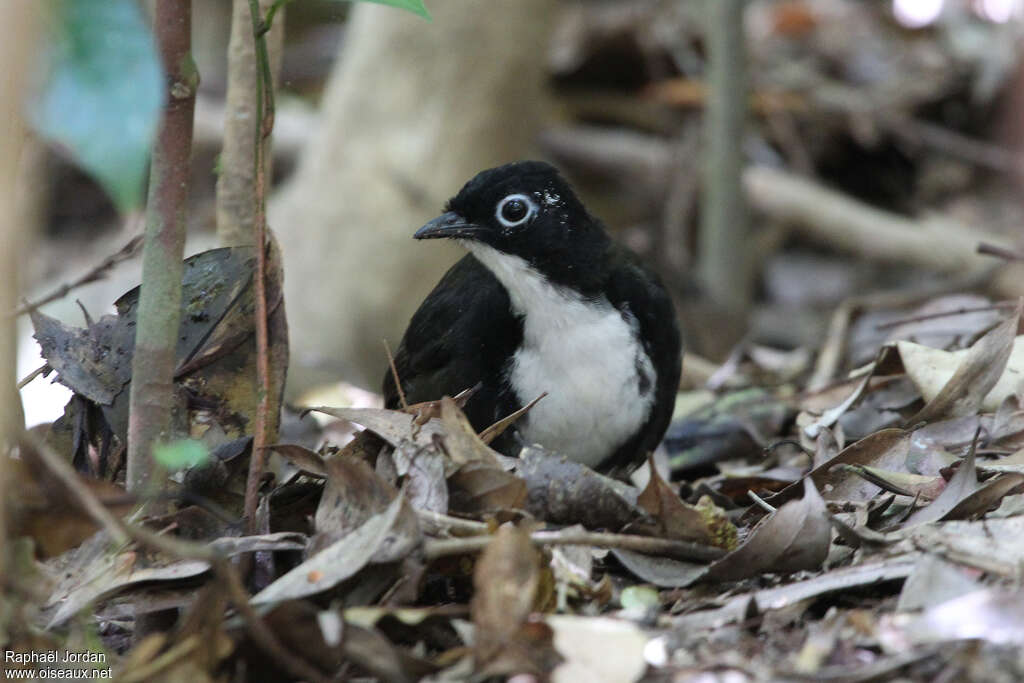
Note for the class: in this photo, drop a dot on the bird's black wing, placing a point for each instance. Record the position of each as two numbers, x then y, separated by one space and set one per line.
634 288
462 334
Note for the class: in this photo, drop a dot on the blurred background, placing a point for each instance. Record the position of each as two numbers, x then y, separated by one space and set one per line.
874 145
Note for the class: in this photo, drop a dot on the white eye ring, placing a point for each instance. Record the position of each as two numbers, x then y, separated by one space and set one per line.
514 221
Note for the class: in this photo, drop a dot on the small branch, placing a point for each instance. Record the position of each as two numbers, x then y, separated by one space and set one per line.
98 272
682 550
41 370
436 523
1000 252
1007 306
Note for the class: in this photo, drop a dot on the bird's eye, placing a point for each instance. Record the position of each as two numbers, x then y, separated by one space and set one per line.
515 209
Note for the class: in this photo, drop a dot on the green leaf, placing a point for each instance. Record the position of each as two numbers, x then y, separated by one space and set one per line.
179 455
414 6
102 91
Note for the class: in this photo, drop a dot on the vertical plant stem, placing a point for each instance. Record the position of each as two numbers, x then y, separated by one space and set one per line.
236 178
725 259
265 117
17 23
152 388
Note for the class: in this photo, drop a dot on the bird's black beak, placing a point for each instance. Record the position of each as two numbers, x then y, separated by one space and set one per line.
448 224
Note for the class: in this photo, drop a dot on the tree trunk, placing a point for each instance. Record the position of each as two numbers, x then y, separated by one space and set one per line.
18 21
724 259
411 112
235 184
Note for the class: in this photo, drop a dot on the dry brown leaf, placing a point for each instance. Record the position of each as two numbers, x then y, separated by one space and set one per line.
304 458
391 425
353 493
964 497
461 440
384 537
976 376
480 487
794 537
675 519
505 583
887 449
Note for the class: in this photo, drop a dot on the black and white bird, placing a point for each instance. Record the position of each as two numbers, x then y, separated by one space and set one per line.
545 301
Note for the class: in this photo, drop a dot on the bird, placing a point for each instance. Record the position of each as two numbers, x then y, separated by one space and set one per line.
543 302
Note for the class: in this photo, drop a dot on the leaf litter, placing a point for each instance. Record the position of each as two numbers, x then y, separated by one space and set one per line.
473 562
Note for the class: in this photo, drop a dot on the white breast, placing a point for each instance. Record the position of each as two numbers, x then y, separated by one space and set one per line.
584 354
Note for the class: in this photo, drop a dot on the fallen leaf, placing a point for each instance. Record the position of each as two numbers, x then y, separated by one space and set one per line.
391 425
352 494
481 487
598 649
675 519
885 449
989 614
934 581
372 541
505 585
305 459
794 537
461 441
983 375
964 497
96 570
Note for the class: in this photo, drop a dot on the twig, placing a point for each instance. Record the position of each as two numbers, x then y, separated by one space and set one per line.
1002 252
761 502
683 550
265 116
394 375
98 272
1006 306
41 370
435 522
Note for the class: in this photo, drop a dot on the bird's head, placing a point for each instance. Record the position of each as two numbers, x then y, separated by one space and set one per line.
528 211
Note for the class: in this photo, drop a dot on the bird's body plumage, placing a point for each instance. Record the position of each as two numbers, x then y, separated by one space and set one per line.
548 304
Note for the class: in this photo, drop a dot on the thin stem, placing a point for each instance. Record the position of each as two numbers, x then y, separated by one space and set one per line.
268 22
434 549
265 117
